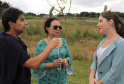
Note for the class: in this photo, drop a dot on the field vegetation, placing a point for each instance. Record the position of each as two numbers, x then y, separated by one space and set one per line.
83 39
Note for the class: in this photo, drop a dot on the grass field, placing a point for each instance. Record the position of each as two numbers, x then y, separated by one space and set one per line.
83 39
81 72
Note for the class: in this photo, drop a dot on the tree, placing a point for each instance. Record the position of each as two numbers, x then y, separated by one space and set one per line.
51 10
3 5
119 14
84 14
60 6
41 15
70 14
30 14
0 6
78 15
97 14
92 14
60 15
122 15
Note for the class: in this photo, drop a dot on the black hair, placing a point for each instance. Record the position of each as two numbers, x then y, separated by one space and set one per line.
10 14
48 23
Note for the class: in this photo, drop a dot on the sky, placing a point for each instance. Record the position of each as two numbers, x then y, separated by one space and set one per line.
77 6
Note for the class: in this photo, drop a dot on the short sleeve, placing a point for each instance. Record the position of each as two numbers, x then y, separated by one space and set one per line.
23 57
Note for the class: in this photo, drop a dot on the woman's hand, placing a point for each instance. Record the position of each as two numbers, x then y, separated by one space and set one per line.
57 63
92 80
65 62
100 82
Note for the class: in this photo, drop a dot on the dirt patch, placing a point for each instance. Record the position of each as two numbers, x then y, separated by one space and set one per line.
73 19
31 50
91 20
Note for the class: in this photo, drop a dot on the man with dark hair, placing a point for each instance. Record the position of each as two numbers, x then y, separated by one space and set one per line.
15 62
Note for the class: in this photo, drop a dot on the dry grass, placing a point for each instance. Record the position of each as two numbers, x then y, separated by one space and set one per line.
83 37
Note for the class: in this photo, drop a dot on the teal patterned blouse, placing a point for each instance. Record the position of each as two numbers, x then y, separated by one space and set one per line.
53 76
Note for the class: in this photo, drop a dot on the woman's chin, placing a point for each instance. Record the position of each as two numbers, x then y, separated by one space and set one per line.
57 35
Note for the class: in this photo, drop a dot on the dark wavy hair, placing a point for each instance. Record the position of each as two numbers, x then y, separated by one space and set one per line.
48 23
10 14
119 25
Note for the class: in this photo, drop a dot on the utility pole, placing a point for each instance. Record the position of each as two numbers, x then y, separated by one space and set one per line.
105 8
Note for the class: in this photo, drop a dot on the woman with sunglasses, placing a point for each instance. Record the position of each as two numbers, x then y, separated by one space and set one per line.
58 63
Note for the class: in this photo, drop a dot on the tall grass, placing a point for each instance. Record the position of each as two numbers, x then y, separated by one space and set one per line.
83 39
1 27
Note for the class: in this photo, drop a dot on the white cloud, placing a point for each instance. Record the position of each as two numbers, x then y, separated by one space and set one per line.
41 6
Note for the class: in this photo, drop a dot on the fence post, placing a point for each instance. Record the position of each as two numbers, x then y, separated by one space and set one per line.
105 9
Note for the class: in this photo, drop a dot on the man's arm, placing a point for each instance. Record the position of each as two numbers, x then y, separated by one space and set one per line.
35 62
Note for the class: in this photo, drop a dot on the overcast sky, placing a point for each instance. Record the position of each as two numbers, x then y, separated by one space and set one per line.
42 6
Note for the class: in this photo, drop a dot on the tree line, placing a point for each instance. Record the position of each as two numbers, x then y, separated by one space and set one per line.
82 14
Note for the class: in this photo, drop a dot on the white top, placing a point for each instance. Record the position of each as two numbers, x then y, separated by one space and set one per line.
99 54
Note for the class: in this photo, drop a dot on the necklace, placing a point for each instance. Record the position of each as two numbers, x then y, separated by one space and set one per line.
57 50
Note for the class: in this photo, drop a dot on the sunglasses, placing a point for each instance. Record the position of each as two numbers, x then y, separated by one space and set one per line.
56 27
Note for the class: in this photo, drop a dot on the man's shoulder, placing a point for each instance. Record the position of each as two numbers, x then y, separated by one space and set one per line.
8 45
8 42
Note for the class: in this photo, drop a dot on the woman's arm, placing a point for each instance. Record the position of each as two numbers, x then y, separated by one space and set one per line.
92 80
